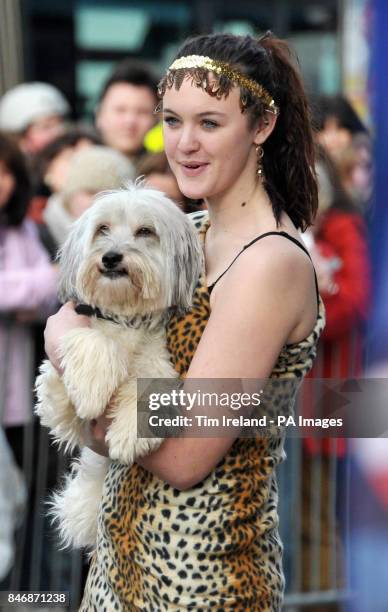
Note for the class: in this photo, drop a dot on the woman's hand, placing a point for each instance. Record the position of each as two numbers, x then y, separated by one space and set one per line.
325 269
57 326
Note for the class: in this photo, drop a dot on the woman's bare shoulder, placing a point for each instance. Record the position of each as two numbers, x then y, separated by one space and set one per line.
269 293
275 263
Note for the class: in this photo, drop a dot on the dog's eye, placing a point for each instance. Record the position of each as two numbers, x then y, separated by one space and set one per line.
102 229
144 231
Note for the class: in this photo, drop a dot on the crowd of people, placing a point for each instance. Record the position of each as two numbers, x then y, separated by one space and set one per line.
50 170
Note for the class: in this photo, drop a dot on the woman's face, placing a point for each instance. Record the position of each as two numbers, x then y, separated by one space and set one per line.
57 169
208 142
41 133
334 138
79 202
7 185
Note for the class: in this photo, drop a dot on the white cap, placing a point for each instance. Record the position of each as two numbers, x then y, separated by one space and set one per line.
28 102
97 168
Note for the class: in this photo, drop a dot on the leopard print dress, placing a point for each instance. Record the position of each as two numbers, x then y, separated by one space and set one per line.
214 547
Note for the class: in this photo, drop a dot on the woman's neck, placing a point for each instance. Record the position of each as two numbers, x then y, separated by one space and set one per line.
240 213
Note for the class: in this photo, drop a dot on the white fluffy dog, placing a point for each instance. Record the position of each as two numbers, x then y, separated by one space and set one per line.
130 259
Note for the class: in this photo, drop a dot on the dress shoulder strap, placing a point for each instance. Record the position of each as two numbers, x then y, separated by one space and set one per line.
246 246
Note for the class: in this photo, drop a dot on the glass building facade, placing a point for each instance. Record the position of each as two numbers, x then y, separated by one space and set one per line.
74 44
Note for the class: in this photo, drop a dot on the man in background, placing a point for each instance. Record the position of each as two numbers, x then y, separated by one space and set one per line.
125 112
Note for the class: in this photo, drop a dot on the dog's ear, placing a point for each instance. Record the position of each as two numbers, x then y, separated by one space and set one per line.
70 257
187 263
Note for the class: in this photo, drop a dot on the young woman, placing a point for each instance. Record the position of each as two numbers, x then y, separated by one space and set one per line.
194 525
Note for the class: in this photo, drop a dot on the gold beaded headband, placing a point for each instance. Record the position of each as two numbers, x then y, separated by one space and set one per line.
195 62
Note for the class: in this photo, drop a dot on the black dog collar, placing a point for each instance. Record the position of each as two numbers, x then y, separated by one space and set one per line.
151 319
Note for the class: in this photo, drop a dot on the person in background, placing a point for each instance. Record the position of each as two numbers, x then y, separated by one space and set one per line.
125 111
53 160
355 168
27 292
336 123
34 114
90 170
50 166
339 249
341 257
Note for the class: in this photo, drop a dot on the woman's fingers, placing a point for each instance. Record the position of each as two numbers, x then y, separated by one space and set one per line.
57 326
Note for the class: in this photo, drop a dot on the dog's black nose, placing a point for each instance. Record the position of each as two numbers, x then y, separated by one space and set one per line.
111 259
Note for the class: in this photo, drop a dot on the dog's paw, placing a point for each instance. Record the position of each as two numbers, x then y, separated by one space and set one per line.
56 411
122 446
94 367
145 446
126 449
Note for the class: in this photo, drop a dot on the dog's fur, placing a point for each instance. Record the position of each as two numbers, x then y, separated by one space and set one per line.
160 266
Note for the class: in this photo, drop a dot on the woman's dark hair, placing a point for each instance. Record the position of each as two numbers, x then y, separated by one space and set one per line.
15 210
288 159
336 107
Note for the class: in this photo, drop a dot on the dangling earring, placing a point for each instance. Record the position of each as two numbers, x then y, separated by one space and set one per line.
260 168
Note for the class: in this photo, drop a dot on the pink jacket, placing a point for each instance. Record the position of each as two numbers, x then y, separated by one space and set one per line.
27 282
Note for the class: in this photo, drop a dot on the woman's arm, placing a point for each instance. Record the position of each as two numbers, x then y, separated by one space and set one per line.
259 304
